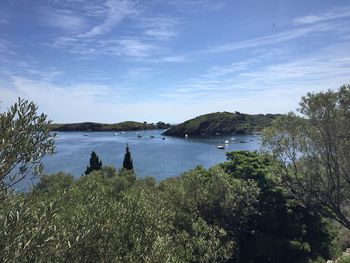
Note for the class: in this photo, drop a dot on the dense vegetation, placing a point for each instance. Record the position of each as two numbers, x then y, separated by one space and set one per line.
290 204
223 123
121 126
233 212
313 151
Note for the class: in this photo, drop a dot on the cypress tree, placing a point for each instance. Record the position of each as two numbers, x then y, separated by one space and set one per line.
127 163
95 163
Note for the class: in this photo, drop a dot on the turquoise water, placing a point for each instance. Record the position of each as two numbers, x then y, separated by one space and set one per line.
151 156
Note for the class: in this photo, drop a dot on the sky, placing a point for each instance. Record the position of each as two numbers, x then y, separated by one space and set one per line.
170 60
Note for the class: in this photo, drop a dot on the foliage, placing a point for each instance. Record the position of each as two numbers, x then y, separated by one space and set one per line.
127 163
121 126
344 259
313 151
95 163
223 123
232 212
24 140
280 229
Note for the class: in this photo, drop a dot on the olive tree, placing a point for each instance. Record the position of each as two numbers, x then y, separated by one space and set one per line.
313 150
25 139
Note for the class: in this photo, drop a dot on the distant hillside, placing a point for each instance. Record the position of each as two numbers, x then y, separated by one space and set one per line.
223 123
121 126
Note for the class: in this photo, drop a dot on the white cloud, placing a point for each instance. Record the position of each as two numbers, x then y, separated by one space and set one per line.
75 102
268 87
270 39
127 47
160 33
195 6
85 102
312 19
159 27
118 10
63 19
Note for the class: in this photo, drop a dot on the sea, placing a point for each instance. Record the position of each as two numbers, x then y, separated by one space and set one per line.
152 153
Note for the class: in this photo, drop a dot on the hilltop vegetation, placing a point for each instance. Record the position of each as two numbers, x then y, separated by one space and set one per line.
121 126
223 123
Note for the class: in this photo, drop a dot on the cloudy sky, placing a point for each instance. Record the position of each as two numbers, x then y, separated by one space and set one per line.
170 60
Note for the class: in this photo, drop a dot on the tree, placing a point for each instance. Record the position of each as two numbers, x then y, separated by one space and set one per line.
127 163
25 139
313 151
278 228
95 163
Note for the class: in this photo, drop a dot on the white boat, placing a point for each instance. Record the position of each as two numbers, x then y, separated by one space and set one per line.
122 132
186 136
227 142
220 147
233 139
115 134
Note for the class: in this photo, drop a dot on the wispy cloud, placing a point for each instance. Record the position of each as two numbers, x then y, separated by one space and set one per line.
7 49
3 44
63 19
195 6
270 39
312 19
3 21
254 79
143 41
86 102
159 27
76 98
118 10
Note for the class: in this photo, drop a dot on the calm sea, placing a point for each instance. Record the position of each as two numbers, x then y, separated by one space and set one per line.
157 157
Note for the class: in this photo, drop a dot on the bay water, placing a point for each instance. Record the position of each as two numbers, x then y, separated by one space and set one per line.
153 154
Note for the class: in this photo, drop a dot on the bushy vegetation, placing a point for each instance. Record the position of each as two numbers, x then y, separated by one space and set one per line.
233 212
224 123
121 126
313 151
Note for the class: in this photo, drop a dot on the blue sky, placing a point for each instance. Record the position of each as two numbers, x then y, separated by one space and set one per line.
170 60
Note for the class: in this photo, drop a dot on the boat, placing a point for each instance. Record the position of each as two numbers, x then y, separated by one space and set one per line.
227 142
115 134
85 135
220 147
122 132
152 136
139 136
186 136
233 139
163 138
243 141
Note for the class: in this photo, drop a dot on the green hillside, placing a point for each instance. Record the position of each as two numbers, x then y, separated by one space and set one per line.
121 126
223 123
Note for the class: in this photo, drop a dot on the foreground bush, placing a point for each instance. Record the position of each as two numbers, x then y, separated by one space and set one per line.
233 212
